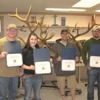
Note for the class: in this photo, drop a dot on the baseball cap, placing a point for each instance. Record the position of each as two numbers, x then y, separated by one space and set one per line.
64 30
12 26
96 28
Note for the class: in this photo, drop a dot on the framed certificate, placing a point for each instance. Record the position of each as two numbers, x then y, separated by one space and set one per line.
95 61
68 53
14 56
12 47
68 65
68 59
14 60
42 61
42 67
95 50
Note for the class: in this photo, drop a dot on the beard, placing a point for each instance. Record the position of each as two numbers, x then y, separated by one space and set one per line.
96 36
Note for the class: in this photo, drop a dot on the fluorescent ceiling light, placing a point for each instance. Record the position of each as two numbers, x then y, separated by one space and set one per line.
86 3
64 9
97 10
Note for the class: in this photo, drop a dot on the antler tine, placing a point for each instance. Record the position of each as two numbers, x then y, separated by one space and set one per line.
29 11
22 19
70 32
41 31
34 28
46 34
45 31
86 30
27 17
74 27
68 29
17 16
41 22
51 35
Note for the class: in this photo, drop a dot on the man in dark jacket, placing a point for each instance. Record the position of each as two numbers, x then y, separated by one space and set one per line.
63 75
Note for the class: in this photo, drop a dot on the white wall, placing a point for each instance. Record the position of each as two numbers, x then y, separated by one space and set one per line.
71 20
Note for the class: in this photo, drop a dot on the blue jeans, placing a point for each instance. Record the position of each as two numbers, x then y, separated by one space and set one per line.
32 83
10 86
93 76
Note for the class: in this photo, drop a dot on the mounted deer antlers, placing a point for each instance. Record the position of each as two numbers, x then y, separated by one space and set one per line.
40 24
72 37
44 33
44 39
78 28
25 20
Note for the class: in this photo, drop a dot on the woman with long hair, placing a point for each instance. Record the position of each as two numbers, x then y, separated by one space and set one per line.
30 79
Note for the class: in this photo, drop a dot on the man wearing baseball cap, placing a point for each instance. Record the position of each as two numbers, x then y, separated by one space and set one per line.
11 26
92 72
63 75
8 76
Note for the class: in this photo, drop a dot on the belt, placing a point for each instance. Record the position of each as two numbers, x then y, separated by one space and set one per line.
31 76
95 67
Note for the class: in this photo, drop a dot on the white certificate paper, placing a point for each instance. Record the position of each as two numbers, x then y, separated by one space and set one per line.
68 65
14 60
42 67
95 61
